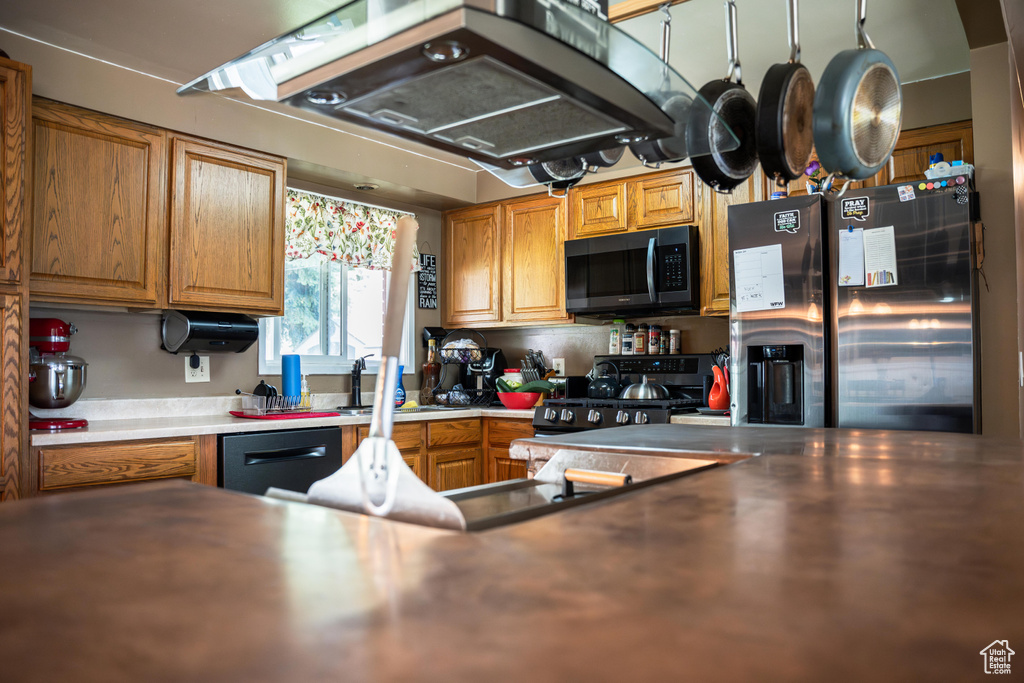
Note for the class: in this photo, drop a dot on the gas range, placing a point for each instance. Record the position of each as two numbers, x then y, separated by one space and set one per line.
683 375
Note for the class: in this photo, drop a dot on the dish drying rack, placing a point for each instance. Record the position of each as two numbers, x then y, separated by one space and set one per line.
271 405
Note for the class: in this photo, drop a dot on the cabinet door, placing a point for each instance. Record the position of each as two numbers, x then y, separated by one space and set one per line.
454 468
471 267
414 459
227 228
660 200
598 209
13 462
534 261
909 160
500 467
15 94
714 241
98 207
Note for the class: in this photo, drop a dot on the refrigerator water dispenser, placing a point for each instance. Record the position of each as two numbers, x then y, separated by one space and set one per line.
775 392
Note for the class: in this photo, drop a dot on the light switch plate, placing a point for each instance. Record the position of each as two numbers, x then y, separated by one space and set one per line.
558 365
200 374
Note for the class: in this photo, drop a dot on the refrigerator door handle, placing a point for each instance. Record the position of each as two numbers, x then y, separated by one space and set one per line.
650 271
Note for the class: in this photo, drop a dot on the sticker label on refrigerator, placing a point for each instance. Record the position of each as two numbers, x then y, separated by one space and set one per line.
758 277
787 221
851 257
906 193
880 257
855 208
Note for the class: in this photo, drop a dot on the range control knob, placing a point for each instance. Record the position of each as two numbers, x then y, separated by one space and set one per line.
568 416
622 417
551 415
641 418
594 417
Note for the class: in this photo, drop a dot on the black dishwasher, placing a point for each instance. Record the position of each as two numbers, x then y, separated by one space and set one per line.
292 460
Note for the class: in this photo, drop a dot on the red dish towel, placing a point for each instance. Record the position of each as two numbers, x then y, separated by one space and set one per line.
282 416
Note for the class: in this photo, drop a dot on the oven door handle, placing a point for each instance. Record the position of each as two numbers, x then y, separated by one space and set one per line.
284 455
650 271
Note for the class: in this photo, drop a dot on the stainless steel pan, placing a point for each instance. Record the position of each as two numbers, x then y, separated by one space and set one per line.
858 109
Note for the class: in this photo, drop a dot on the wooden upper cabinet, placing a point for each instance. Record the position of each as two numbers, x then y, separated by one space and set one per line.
472 267
661 200
909 160
714 241
598 209
15 98
98 207
533 260
226 228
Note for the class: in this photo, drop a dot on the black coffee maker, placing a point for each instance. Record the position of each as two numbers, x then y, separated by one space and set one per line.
482 373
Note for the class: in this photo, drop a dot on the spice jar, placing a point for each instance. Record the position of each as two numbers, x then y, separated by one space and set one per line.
674 338
628 338
654 340
615 337
640 340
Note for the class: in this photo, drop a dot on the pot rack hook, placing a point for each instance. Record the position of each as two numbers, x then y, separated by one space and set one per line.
565 193
732 45
863 41
666 30
794 32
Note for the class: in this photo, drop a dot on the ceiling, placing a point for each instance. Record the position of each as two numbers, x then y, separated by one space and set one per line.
181 39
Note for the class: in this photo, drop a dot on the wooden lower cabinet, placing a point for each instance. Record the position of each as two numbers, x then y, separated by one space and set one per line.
414 459
500 433
13 424
72 466
454 468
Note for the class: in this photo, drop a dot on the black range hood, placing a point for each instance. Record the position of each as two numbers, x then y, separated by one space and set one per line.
508 83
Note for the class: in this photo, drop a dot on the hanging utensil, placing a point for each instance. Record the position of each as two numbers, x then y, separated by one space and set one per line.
376 479
736 111
785 110
858 109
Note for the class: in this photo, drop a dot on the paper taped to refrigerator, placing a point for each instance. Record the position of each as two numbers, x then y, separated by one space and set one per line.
880 257
759 283
851 257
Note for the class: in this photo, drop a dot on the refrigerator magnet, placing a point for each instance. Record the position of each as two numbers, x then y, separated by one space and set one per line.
906 193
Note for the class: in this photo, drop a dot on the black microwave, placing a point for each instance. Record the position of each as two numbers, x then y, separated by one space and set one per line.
652 272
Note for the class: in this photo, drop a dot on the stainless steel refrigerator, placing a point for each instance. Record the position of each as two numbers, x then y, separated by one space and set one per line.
857 312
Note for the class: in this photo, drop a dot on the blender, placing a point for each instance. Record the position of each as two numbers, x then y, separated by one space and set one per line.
56 378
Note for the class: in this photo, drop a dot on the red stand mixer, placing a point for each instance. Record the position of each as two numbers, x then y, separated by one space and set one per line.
56 379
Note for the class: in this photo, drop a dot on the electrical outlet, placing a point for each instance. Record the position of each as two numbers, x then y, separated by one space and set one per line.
558 365
200 374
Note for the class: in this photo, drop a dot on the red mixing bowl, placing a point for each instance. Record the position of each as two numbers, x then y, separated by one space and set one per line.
516 400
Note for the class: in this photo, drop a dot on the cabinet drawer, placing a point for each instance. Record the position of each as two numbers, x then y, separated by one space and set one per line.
406 435
503 432
64 466
452 432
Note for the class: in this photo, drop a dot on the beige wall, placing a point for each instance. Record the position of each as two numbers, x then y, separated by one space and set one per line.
990 95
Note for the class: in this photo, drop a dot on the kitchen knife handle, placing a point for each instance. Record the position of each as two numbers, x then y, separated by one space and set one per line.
650 271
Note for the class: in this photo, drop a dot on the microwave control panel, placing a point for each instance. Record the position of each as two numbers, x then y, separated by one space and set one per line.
674 266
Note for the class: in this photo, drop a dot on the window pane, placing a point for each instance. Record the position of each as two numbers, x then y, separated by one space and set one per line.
300 328
364 312
334 307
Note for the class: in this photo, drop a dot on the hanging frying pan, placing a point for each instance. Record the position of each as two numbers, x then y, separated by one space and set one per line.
676 104
785 107
857 109
706 134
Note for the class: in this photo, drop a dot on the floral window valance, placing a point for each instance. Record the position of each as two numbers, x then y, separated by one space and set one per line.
326 228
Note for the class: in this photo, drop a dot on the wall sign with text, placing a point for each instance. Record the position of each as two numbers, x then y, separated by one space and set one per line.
426 284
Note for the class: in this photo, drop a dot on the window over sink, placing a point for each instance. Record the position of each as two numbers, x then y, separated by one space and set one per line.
337 271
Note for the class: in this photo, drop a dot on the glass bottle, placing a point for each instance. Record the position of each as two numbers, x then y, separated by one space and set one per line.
431 374
640 340
627 339
654 340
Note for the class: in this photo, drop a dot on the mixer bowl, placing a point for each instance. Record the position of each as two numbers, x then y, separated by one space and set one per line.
59 381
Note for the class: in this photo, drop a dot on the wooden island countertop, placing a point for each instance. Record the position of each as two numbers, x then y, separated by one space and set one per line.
832 555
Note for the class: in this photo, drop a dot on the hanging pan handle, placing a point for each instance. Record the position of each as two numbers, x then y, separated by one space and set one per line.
731 42
863 41
794 32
